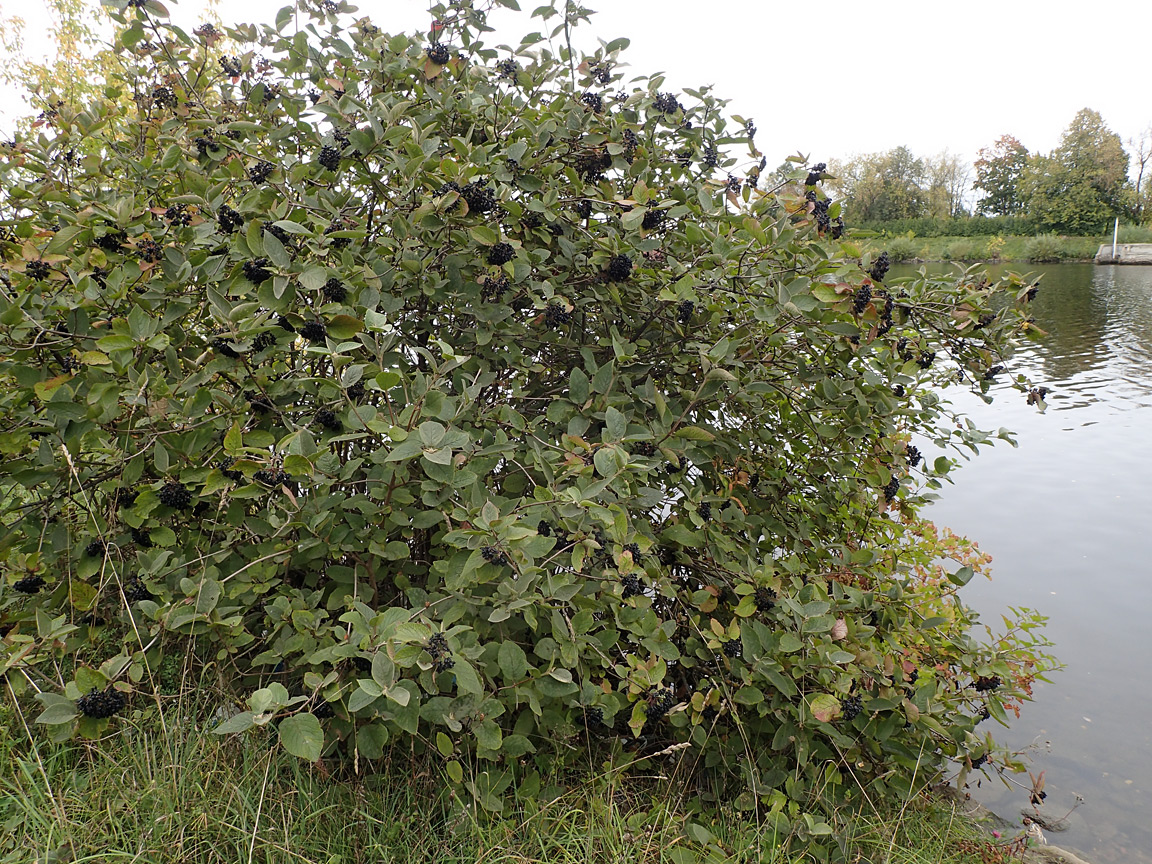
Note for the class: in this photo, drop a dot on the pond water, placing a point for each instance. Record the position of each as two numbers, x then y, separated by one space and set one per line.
1067 517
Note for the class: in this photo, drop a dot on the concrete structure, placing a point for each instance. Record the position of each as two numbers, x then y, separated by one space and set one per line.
1126 253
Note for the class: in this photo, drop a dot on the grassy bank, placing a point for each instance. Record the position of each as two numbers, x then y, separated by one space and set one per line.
146 795
1043 248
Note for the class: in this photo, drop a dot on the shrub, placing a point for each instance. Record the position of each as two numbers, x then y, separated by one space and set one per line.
964 250
610 486
902 248
1045 248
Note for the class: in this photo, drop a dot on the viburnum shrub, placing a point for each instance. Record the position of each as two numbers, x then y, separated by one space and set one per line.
357 366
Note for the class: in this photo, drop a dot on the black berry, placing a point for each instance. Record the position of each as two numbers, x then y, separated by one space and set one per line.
314 331
37 270
556 315
851 706
862 299
260 172
28 585
765 599
135 590
327 418
101 704
891 489
230 66
619 268
334 290
438 53
880 267
912 453
594 101
271 477
501 253
150 251
984 684
256 270
329 158
814 174
633 587
506 69
228 219
174 495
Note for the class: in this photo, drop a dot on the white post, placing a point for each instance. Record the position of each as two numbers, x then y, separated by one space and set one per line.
1115 234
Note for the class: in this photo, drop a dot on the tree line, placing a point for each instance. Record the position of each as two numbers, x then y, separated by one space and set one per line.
1078 188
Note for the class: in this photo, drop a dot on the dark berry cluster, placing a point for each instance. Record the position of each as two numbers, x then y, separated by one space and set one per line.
851 706
633 587
280 234
666 555
94 548
327 418
734 184
228 219
150 251
438 649
28 585
256 270
493 288
880 267
885 313
891 489
984 320
495 556
438 53
175 495
684 310
912 453
705 511
356 391
141 538
814 174
645 448
337 242
601 73
111 241
653 219
1030 295
206 31
765 599
631 142
544 529
837 227
666 103
979 761
732 649
862 299
506 69
323 710
164 97
991 373
37 270
750 128
501 253
263 341
710 158
260 172
619 268
633 549
592 165
178 215
583 208
101 704
314 331
329 158
135 590
230 66
479 197
983 684
926 359
221 346
660 702
594 101
556 315
334 291
271 476
225 466
681 464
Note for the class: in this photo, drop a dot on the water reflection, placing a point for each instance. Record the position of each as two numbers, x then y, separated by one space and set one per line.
1066 518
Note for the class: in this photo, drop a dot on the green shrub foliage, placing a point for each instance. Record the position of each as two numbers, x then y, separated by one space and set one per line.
448 394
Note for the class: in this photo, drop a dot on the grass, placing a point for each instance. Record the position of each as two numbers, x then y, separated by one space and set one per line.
183 795
1049 247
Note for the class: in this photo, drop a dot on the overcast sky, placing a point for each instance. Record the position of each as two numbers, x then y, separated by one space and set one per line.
841 76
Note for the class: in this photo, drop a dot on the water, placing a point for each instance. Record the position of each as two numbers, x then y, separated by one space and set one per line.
1066 518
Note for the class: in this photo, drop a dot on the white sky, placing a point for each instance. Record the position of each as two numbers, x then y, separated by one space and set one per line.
839 77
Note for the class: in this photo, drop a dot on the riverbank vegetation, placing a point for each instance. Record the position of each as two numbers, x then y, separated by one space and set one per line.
477 415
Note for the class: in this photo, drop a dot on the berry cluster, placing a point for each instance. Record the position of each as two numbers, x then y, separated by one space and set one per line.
327 418
323 710
594 101
633 587
220 346
495 556
676 467
101 704
356 391
225 466
1031 293
912 453
111 241
984 320
37 270
314 331
765 599
734 184
645 448
732 649
507 69
228 219
653 219
991 373
838 228
660 702
174 495
256 270
493 288
544 529
984 684
633 549
750 128
94 548
885 314
814 174
135 590
230 66
705 511
851 706
710 158
925 359
684 310
438 53
591 166
271 477
862 299
480 199
601 73
891 489
280 234
150 251
329 158
820 211
141 538
880 267
164 97
619 268
260 172
666 555
178 215
979 760
583 208
501 253
438 650
556 315
666 103
263 341
631 142
334 291
28 585
337 242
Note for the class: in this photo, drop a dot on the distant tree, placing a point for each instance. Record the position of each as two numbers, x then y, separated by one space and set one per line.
881 187
1142 152
947 175
1083 184
998 172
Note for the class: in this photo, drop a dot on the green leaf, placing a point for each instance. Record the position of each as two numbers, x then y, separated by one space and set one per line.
344 326
444 744
236 723
467 681
302 736
616 423
57 709
961 577
513 661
